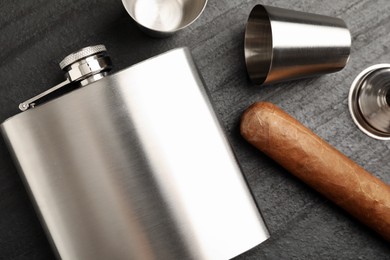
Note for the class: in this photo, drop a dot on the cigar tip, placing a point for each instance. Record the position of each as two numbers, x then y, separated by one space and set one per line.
252 121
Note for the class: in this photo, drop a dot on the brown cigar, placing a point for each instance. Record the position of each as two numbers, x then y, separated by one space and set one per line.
318 164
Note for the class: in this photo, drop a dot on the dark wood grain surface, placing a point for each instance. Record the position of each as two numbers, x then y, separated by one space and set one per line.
36 34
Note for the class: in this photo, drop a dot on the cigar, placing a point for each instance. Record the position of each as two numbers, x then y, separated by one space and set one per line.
318 164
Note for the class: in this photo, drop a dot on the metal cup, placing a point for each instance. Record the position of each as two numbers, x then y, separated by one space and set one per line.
162 18
282 44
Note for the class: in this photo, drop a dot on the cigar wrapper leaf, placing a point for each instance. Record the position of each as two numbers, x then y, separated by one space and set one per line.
318 164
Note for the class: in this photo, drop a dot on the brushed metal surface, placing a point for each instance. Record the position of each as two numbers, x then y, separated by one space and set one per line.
136 166
282 44
163 18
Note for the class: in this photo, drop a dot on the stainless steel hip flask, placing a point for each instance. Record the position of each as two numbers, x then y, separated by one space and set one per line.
133 165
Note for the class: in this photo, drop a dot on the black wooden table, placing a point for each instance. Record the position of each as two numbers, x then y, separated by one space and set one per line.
36 34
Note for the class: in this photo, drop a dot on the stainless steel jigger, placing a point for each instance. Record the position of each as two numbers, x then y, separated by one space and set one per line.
283 44
369 101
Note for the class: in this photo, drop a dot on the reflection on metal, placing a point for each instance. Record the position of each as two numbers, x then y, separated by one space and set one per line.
283 44
136 166
369 101
163 18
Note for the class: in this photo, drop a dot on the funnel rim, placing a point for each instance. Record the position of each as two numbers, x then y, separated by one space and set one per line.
354 109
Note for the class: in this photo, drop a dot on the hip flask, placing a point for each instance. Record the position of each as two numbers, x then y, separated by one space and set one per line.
133 165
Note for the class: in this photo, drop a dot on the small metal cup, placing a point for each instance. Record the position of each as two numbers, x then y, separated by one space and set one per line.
282 44
369 101
162 18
